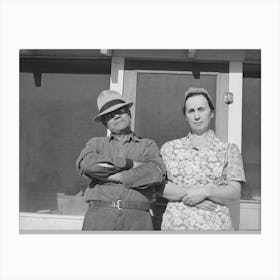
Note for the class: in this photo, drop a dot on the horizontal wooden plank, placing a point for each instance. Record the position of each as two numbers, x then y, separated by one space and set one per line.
250 216
250 220
34 221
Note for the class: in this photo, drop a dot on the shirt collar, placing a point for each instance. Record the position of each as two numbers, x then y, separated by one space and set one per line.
131 136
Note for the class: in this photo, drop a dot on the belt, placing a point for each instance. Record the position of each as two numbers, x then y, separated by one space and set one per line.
120 204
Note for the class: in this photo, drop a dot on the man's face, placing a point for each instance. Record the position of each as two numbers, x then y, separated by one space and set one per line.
118 121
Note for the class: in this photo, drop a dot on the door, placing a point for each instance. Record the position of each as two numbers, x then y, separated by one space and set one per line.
158 98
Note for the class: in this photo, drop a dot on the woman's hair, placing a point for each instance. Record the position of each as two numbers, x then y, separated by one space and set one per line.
210 103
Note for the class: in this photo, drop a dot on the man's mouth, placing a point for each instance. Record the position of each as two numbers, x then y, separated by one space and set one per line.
119 122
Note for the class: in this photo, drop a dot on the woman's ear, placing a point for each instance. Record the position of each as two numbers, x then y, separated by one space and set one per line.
212 115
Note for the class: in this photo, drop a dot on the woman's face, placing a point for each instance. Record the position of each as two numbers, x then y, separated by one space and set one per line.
198 114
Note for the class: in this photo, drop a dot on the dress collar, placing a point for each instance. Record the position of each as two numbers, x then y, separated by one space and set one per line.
210 136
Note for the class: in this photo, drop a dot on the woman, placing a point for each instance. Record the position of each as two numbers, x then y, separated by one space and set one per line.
203 172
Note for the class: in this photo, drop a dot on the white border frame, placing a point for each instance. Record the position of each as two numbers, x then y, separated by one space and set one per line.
166 257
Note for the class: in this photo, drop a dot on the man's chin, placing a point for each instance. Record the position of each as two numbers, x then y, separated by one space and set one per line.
121 130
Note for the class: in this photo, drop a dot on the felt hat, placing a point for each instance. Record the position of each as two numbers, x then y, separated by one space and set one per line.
109 101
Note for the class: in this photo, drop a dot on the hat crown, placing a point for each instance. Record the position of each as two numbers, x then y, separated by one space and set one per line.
107 96
196 90
109 101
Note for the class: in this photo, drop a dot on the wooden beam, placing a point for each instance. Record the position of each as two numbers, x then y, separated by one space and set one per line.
106 52
191 53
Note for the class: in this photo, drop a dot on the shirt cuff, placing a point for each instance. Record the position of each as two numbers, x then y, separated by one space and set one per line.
126 179
123 163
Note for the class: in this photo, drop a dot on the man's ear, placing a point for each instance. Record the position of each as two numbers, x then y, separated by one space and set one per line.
104 123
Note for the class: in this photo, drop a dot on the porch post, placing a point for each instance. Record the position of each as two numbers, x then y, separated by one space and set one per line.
235 109
116 78
117 73
235 124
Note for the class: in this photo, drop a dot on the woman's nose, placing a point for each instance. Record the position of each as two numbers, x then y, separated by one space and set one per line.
196 116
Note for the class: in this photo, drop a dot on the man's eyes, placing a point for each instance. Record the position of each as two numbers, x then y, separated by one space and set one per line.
112 114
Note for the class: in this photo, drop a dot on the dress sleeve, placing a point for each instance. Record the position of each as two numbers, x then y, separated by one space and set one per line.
164 151
235 169
166 154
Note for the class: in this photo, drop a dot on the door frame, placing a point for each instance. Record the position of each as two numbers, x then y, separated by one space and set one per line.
221 124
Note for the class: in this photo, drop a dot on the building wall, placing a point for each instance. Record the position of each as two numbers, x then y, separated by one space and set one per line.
55 123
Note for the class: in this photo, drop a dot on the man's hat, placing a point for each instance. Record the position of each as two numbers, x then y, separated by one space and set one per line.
109 101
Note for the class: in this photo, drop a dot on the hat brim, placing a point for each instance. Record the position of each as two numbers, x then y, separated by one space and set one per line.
98 118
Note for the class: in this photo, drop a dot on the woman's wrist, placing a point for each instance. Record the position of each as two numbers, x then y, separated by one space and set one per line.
183 191
208 190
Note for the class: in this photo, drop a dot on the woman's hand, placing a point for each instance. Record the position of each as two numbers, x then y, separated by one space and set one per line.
195 195
206 205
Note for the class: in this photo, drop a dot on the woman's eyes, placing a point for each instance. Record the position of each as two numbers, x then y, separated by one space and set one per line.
200 109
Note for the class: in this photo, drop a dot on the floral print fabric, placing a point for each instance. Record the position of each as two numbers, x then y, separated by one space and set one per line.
212 163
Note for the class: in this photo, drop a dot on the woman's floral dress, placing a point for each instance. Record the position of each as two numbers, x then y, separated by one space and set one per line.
213 163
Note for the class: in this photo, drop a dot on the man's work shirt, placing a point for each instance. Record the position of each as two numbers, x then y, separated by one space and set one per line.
137 183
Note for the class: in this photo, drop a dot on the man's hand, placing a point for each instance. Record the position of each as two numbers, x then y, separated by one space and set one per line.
136 163
195 195
115 178
206 205
109 165
105 164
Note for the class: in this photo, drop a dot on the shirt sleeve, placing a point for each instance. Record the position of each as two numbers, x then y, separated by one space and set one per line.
150 172
90 158
234 169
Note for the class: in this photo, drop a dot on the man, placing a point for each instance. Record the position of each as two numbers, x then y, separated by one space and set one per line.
123 169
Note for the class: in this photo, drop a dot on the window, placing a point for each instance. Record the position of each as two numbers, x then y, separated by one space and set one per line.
251 132
55 123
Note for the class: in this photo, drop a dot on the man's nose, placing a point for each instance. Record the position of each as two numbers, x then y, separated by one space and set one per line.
117 115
